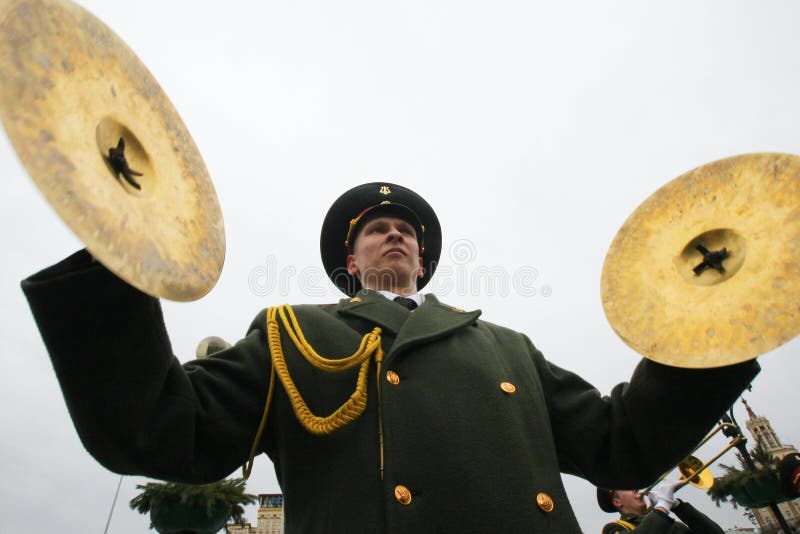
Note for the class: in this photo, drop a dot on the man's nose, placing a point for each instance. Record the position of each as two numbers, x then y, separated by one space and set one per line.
395 235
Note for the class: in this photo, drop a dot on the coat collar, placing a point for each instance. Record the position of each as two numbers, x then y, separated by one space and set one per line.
430 321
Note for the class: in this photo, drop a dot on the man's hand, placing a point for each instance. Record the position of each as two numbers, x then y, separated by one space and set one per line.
662 495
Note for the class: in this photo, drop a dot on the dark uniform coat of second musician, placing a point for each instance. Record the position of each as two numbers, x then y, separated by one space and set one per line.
657 522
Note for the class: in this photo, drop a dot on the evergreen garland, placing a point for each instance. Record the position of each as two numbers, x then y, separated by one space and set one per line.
228 492
735 481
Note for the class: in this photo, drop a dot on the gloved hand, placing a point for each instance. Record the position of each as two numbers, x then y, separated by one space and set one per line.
662 495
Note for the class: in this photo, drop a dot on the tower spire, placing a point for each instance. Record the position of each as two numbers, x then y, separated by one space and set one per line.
749 411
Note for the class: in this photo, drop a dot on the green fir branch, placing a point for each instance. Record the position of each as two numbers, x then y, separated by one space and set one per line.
228 492
736 479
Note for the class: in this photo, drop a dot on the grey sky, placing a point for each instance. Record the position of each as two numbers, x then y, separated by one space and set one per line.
533 128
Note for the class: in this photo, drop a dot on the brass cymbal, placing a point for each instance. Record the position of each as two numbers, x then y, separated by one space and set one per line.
670 303
74 99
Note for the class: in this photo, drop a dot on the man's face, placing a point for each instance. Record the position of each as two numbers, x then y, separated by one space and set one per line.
629 502
386 256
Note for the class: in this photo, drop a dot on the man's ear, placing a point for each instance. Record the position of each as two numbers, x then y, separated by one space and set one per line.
616 503
421 270
352 268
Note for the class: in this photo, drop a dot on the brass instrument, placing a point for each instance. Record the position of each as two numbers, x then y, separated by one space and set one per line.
693 471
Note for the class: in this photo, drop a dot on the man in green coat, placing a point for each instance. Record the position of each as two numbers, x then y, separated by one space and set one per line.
377 418
635 515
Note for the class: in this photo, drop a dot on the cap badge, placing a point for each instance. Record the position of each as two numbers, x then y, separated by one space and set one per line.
384 190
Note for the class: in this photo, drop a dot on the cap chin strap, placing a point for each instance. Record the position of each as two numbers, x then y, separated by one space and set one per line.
353 223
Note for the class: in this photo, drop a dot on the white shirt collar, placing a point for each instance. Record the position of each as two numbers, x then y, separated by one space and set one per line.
416 297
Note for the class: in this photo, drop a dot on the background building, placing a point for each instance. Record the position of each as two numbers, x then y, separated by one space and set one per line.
270 517
763 435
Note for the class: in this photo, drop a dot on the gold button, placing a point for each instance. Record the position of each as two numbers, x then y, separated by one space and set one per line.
392 378
402 495
545 502
508 387
355 299
459 310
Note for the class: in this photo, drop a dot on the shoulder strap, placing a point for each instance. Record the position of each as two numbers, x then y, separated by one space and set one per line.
618 526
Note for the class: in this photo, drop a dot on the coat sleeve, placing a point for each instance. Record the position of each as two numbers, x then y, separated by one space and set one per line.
655 522
698 522
644 427
136 409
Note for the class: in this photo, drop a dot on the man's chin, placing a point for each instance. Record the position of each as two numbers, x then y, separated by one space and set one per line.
395 254
386 277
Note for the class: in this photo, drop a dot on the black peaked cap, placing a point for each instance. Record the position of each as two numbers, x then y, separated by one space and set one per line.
604 500
364 202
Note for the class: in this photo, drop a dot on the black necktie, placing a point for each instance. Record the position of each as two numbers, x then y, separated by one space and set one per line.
406 302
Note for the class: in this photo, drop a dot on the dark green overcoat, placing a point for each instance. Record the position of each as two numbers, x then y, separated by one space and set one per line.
473 456
657 522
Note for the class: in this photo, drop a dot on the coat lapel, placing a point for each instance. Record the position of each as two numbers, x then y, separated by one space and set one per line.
430 321
374 308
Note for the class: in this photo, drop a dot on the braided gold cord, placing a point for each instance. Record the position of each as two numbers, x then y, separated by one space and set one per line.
347 412
248 466
369 344
354 406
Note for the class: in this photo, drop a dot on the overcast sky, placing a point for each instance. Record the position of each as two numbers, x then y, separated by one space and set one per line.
533 128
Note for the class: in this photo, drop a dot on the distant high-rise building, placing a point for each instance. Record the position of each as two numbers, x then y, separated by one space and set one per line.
270 517
270 514
763 434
